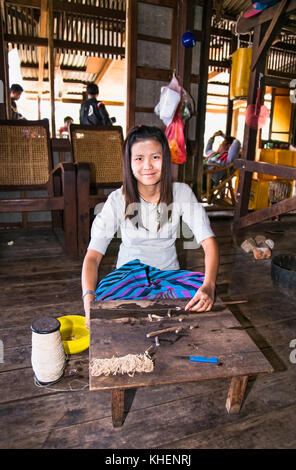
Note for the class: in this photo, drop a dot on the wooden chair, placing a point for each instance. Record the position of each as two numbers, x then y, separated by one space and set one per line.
26 164
97 154
222 193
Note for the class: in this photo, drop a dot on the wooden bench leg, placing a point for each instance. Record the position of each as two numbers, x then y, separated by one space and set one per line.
117 407
236 394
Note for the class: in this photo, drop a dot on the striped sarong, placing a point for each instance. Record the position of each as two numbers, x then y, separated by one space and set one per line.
135 280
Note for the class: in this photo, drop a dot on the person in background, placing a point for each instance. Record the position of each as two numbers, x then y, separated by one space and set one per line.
227 151
15 94
65 129
92 111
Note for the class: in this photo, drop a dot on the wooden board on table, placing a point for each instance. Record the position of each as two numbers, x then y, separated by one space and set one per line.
218 334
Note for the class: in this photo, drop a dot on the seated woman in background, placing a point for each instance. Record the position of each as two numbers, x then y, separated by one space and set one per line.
227 151
147 210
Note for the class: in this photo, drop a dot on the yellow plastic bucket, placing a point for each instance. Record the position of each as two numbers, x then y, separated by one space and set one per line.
75 335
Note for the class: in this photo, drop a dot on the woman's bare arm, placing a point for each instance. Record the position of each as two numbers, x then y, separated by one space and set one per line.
89 278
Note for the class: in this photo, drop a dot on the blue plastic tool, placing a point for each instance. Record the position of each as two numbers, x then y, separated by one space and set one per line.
212 360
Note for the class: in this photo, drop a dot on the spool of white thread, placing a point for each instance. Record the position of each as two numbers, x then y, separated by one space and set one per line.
48 356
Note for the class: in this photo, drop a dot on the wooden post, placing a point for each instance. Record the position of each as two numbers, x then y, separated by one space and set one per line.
131 60
117 407
250 135
4 91
185 22
236 394
51 66
202 95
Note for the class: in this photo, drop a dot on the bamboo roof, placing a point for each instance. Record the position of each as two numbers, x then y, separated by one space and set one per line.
89 35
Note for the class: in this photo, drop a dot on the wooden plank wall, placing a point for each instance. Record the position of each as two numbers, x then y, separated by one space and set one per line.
151 55
155 52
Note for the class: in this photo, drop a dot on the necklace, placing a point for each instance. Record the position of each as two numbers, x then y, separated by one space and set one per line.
149 202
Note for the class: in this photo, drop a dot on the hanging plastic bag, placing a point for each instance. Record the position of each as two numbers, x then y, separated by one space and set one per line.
175 136
170 97
187 105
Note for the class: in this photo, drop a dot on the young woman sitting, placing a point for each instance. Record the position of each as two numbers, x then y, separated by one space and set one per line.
147 211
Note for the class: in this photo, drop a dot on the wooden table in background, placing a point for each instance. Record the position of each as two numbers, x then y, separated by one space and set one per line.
118 328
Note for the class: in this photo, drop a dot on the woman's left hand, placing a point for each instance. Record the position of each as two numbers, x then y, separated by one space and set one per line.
203 300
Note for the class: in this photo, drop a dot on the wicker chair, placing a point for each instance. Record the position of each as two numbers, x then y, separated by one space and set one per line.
26 164
97 154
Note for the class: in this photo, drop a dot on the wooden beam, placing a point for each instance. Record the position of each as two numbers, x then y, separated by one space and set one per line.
31 204
24 3
42 34
105 67
51 65
244 25
202 97
131 60
250 135
279 208
276 23
149 73
61 44
282 171
4 84
145 37
276 81
164 3
88 10
69 68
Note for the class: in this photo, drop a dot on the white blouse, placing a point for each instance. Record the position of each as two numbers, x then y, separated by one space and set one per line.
140 237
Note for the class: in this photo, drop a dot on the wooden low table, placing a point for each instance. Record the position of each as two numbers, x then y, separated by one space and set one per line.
118 328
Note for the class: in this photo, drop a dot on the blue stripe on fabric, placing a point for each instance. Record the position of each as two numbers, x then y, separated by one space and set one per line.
136 280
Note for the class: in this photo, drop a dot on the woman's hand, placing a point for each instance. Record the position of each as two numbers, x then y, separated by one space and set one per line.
203 300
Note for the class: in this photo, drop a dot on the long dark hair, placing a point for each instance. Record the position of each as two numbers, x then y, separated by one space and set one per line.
130 186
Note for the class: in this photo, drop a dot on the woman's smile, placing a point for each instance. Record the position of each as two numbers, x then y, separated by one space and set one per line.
146 161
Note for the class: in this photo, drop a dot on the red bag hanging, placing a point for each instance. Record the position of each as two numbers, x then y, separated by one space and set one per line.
175 136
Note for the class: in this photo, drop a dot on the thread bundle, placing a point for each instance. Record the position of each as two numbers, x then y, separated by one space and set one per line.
48 356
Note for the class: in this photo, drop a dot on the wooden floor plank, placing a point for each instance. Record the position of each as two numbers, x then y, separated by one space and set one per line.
37 279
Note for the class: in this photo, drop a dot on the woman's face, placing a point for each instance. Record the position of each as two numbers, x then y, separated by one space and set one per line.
224 147
146 161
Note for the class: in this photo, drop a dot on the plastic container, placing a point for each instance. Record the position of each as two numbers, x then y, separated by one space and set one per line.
75 335
283 270
240 72
259 195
